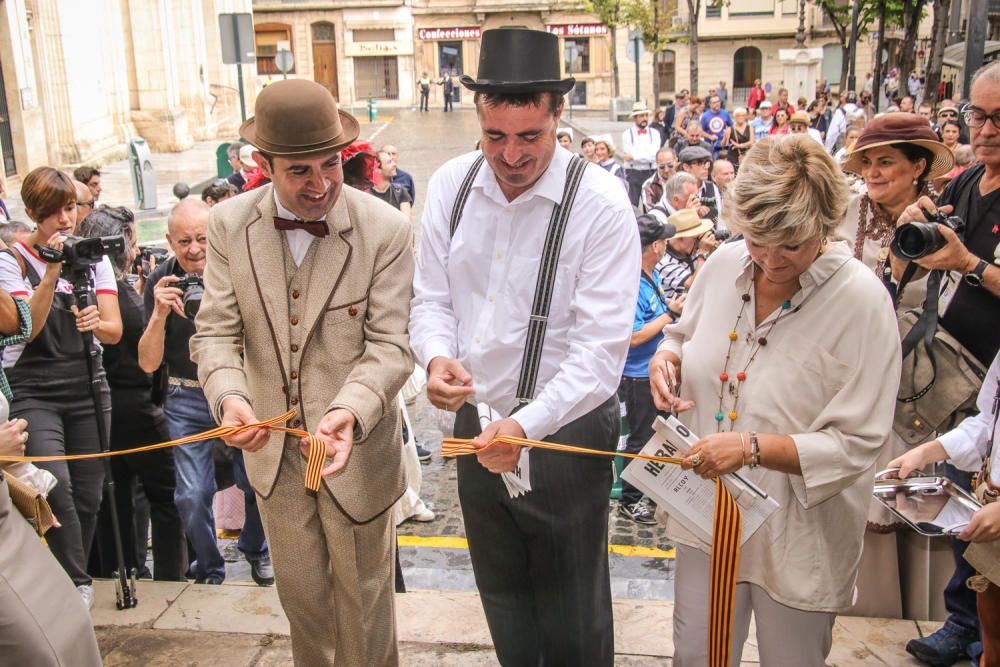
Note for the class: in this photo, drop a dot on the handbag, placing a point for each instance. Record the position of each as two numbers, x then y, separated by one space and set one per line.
30 503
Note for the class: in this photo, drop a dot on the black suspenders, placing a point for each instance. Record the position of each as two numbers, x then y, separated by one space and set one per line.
545 284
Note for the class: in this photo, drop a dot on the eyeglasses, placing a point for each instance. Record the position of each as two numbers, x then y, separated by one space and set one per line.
976 117
668 165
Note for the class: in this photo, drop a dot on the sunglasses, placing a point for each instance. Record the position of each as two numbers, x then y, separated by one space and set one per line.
668 165
86 203
948 114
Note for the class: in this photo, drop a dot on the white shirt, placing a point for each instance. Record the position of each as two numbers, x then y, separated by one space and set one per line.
642 147
473 294
966 444
299 240
11 282
838 125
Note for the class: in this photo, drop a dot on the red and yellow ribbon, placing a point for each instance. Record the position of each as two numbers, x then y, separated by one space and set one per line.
314 463
727 531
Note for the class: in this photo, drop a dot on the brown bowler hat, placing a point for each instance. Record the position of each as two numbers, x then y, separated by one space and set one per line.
298 117
901 128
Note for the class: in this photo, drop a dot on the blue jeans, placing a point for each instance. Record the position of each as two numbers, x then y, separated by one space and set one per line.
958 599
187 413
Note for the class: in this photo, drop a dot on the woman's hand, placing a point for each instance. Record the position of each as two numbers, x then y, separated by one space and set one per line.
663 382
717 454
56 243
87 319
13 437
918 457
676 303
984 526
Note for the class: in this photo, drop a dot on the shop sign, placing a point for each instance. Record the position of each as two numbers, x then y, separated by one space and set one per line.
435 34
354 49
578 29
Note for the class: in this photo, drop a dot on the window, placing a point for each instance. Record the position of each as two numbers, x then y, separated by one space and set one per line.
752 8
578 96
380 35
376 77
267 37
713 11
576 52
666 68
323 32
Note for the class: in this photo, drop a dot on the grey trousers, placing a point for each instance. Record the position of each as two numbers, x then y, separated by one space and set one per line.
43 621
785 636
334 576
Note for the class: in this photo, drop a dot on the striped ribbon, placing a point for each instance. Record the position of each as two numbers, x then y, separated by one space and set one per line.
314 463
727 530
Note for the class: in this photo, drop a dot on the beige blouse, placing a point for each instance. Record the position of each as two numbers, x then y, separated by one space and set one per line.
827 378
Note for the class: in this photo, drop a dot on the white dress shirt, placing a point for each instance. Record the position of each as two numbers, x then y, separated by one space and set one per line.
642 146
299 240
473 294
966 444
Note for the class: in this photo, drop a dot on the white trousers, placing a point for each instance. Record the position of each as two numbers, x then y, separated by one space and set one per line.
785 636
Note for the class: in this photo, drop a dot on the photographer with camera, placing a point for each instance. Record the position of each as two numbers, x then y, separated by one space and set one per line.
972 316
136 419
49 374
172 297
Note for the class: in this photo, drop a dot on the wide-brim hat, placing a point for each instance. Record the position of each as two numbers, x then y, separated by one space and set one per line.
687 223
799 117
640 108
901 128
518 61
296 117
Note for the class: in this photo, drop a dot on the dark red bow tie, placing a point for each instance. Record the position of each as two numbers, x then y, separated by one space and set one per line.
317 228
642 131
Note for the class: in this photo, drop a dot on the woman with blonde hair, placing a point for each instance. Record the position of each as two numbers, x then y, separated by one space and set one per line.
788 353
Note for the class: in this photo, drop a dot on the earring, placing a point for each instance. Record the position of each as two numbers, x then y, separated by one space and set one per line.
915 182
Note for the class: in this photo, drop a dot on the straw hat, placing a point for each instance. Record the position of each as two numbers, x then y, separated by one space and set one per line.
640 108
296 117
901 128
687 223
799 117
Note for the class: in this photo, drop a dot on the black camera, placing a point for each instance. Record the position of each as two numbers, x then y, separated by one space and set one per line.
78 253
919 239
194 288
722 235
143 264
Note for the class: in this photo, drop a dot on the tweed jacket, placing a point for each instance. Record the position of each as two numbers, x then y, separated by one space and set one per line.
353 316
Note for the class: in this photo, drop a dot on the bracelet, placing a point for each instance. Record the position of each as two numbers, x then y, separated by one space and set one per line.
743 448
754 450
673 315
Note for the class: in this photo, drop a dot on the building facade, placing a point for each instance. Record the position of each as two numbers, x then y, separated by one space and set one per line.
79 79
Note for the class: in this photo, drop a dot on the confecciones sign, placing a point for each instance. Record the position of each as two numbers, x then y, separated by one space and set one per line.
578 29
437 34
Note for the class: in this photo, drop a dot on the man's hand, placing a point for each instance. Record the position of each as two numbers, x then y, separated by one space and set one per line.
985 525
336 430
448 384
237 412
954 256
499 457
168 298
708 242
676 303
694 202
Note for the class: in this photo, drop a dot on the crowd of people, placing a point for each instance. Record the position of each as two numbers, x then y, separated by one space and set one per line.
774 301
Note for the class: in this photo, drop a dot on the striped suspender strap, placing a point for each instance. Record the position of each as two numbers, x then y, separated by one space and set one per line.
463 194
538 321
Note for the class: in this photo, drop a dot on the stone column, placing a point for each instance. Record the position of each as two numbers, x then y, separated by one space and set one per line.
800 71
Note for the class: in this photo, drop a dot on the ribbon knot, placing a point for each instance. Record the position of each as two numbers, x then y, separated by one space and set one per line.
317 228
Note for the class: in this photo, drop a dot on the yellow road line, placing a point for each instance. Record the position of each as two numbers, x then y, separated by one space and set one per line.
462 543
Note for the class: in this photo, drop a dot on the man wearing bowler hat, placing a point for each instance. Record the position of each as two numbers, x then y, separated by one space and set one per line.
527 257
306 302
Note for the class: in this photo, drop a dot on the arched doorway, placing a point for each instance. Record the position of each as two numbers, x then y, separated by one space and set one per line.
324 48
746 69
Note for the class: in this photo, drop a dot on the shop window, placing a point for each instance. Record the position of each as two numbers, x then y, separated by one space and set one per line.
266 38
376 76
380 35
576 52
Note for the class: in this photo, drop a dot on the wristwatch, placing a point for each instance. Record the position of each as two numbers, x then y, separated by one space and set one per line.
975 276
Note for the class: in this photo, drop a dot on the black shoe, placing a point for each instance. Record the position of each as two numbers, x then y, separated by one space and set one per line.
261 571
637 512
423 454
943 648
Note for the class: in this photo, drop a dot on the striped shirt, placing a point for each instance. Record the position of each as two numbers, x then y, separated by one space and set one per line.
674 272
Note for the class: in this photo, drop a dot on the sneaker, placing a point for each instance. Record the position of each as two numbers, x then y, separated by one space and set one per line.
637 512
87 595
210 580
943 648
423 454
261 571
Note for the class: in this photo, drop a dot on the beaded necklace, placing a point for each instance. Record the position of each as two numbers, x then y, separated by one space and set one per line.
741 376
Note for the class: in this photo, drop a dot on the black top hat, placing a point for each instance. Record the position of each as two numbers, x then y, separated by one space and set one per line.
518 61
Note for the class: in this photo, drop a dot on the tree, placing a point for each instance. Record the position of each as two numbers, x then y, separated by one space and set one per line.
912 11
939 39
694 11
839 13
610 14
655 23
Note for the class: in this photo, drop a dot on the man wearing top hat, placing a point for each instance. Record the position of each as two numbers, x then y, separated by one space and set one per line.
640 143
307 287
527 256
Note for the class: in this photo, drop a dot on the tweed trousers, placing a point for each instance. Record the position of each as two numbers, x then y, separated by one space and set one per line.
334 576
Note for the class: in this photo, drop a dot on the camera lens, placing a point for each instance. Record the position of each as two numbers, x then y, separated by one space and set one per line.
918 239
